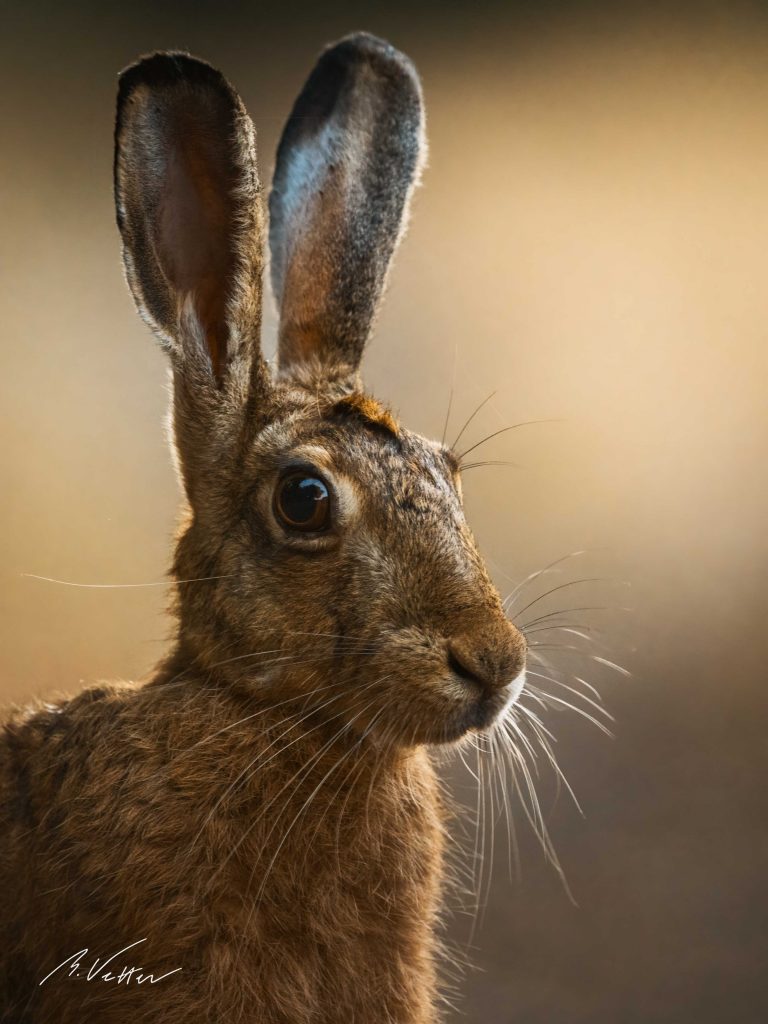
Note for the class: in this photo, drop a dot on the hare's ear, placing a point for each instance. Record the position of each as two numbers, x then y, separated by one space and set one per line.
346 165
189 210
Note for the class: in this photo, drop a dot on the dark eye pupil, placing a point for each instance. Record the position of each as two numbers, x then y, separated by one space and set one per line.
300 498
302 502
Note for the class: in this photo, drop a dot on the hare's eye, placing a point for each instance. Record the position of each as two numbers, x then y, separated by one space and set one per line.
303 503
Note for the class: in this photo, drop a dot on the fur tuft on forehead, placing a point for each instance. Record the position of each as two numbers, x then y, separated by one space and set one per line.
367 409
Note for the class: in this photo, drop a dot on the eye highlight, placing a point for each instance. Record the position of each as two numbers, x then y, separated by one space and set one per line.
302 502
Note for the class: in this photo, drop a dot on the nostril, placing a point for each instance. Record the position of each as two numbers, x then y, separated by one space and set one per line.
458 665
490 666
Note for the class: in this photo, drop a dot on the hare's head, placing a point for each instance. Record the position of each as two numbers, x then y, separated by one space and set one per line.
331 542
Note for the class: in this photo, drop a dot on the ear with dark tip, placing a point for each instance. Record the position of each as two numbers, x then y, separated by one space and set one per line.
189 207
347 162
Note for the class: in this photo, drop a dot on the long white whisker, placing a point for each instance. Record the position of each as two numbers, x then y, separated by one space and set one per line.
577 693
612 664
546 697
123 586
562 586
512 596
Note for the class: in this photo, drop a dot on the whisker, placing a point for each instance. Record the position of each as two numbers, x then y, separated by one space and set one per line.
503 430
535 818
562 586
253 823
570 611
256 714
479 853
489 462
589 686
510 598
520 735
123 586
578 631
527 693
550 754
547 697
539 646
321 634
298 776
366 732
612 664
259 761
491 846
282 656
484 402
353 780
450 396
513 850
596 704
309 799
563 628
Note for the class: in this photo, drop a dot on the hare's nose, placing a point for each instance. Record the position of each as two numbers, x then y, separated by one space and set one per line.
490 662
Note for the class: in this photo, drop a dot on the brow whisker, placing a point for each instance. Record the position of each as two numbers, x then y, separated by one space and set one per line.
503 430
460 434
488 462
450 396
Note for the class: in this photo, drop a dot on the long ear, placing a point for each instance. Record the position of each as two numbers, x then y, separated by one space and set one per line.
347 162
189 209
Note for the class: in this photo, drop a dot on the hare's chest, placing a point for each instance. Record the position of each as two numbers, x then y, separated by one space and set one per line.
342 902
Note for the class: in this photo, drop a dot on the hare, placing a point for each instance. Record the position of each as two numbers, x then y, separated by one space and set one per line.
255 834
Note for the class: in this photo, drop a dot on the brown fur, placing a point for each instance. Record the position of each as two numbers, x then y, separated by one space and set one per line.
263 811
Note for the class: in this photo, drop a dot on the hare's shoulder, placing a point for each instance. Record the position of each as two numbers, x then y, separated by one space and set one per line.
116 747
44 742
31 727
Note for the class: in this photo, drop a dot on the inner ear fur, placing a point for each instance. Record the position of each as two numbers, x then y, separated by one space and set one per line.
347 162
188 204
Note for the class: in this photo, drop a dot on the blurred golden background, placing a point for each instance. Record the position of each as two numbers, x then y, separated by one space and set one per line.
590 244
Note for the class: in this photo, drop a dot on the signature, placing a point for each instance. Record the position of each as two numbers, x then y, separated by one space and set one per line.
98 972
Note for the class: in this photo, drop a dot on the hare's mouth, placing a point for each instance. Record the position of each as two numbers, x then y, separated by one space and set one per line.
486 708
492 706
514 689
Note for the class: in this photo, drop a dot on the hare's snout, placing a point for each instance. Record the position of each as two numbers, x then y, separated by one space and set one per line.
492 667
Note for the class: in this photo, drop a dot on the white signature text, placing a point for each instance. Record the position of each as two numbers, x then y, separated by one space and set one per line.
98 969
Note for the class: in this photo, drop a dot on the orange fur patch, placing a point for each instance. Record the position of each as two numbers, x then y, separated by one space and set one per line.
368 409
